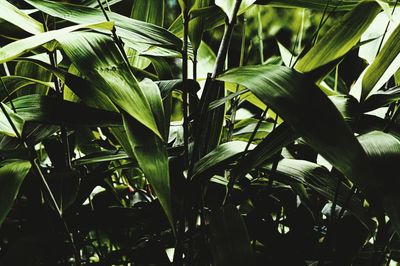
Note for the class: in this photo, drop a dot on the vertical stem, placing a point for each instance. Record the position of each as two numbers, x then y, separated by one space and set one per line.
235 101
260 35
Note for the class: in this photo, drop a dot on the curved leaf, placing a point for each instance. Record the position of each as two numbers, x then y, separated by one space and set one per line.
15 49
50 110
383 152
5 127
135 30
97 57
13 15
297 100
386 63
319 179
341 38
11 177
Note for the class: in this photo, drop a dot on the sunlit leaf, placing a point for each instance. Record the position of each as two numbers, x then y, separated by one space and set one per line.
11 177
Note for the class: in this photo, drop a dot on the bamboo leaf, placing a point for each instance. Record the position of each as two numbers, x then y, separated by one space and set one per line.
15 49
385 65
383 152
296 99
13 15
11 177
134 30
229 248
97 57
50 110
337 5
341 38
15 83
319 179
227 6
5 126
149 11
151 153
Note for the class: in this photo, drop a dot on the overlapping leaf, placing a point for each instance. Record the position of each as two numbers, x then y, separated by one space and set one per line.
11 177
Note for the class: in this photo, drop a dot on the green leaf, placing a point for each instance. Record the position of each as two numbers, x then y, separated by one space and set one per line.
15 83
134 30
319 179
381 99
228 5
50 110
11 177
97 57
221 155
268 147
385 65
149 11
151 153
230 241
15 49
341 38
196 25
383 152
13 15
5 127
337 5
297 100
101 156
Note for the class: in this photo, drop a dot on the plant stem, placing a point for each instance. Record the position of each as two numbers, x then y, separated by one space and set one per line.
260 35
235 101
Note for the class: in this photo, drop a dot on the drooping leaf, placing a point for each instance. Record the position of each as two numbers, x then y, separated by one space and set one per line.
230 241
5 126
383 152
341 38
15 83
297 99
50 110
31 70
196 25
97 57
319 179
268 147
151 153
222 154
381 99
22 46
11 177
13 15
385 65
135 30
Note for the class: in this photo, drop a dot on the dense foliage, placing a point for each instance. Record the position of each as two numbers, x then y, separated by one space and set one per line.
199 132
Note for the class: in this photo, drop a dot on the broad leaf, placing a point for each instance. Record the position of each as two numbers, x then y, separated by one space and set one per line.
151 153
383 152
385 65
15 83
135 30
15 49
50 110
341 38
11 177
296 99
228 5
230 241
337 5
97 57
5 126
13 15
319 179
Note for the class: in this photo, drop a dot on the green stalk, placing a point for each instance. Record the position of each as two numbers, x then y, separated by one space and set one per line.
235 101
178 254
260 35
